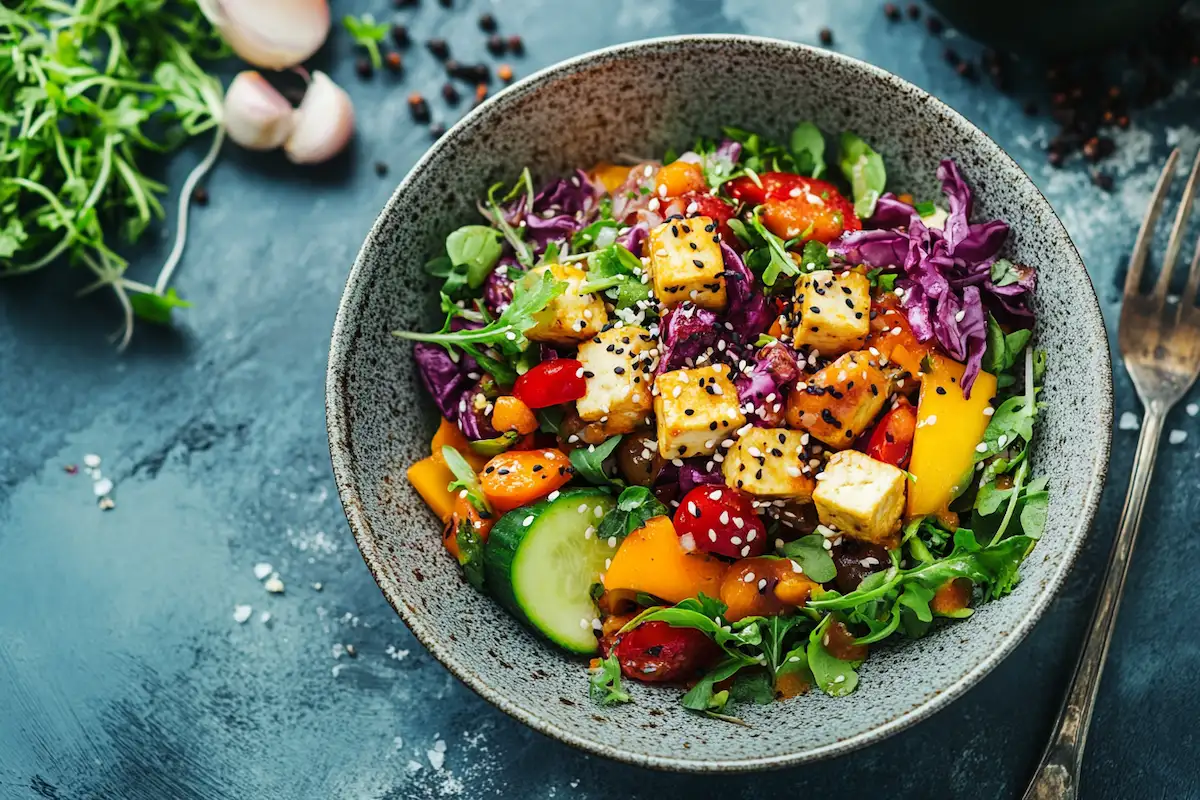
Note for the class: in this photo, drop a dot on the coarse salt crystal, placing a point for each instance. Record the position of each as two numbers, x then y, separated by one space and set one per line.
241 613
102 487
1129 422
91 460
262 569
274 585
1177 436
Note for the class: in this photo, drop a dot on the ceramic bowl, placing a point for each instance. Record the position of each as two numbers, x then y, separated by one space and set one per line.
640 99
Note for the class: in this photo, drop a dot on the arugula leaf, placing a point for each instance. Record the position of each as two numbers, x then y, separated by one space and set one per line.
708 606
701 696
778 261
476 248
1003 350
808 149
604 683
881 279
507 332
589 462
753 687
367 33
615 267
833 676
864 169
810 553
549 419
591 235
814 256
635 506
470 553
925 209
465 479
157 307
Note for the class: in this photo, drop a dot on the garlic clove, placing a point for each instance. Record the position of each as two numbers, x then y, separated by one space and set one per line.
256 116
274 34
324 122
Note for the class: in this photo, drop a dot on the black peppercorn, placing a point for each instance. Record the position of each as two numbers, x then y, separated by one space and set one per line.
393 62
450 94
439 48
381 168
891 11
495 44
914 11
418 107
826 36
363 67
200 196
516 45
487 23
400 36
1103 180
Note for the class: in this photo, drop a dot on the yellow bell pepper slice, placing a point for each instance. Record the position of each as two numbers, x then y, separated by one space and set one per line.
949 427
430 477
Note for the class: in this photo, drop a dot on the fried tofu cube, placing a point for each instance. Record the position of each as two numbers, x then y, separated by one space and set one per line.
686 263
840 401
571 317
617 368
771 462
861 497
832 311
696 409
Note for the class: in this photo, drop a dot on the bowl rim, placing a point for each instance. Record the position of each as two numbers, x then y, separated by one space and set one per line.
341 453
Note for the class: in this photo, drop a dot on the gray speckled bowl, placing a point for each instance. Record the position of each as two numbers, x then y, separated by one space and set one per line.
640 99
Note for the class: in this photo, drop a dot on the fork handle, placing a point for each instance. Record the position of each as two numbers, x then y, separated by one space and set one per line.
1057 775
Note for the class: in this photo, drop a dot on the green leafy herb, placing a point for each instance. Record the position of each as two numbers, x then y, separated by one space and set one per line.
588 237
470 553
882 279
367 33
864 169
701 697
815 256
810 553
834 677
476 249
753 686
1003 349
514 236
614 267
157 307
635 506
549 419
808 149
604 684
465 479
772 253
589 462
1005 272
925 209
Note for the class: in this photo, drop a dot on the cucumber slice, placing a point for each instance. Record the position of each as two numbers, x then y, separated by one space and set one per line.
543 571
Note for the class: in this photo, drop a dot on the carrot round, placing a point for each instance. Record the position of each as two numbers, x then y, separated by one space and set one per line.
513 479
510 414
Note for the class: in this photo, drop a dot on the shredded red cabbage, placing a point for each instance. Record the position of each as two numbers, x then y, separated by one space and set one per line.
775 370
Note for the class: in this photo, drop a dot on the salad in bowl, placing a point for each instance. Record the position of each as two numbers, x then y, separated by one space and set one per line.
731 417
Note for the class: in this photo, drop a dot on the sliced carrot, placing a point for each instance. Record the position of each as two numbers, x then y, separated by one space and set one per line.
513 479
449 433
652 560
430 477
679 177
510 414
465 511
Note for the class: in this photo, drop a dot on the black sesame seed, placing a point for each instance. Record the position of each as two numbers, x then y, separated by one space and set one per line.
699 264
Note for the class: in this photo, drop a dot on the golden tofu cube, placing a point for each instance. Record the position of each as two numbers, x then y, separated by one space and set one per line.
861 497
571 317
832 311
696 409
686 263
617 368
840 401
771 462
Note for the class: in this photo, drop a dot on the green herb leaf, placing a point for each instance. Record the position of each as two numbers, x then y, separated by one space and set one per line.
604 684
808 149
925 209
588 237
470 553
752 686
815 256
157 308
881 279
864 169
777 261
701 696
615 267
1004 272
1003 350
465 478
589 462
549 419
367 33
476 248
833 676
635 506
810 553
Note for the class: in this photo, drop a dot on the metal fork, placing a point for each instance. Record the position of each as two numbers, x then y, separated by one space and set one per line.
1160 343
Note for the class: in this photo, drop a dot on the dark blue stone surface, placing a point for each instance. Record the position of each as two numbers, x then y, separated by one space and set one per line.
122 671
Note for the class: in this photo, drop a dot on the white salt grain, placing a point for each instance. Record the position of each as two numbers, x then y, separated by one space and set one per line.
241 613
1177 436
274 585
102 487
1129 422
262 569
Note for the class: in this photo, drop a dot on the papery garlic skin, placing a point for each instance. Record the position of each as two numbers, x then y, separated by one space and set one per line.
273 34
324 123
257 117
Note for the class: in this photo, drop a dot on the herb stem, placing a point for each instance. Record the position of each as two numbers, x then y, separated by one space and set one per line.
185 202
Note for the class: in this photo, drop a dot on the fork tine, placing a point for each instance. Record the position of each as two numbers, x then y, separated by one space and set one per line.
1175 243
1193 281
1141 246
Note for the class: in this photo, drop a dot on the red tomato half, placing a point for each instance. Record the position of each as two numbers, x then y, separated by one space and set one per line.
721 520
891 441
793 203
708 205
656 652
551 383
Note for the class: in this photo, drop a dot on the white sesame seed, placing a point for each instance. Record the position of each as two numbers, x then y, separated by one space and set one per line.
715 495
987 412
762 584
527 521
612 541
724 517
735 540
981 447
553 495
598 512
583 508
712 535
745 551
749 577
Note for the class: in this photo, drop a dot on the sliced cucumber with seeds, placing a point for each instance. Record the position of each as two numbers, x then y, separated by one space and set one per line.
541 564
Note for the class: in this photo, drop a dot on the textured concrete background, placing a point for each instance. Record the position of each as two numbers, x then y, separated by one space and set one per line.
122 671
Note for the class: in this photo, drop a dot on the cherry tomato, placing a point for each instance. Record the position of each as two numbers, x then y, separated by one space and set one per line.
793 203
551 383
678 178
708 205
779 186
721 520
657 652
891 442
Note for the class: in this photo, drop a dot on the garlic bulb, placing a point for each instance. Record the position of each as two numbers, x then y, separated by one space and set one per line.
256 116
324 122
275 34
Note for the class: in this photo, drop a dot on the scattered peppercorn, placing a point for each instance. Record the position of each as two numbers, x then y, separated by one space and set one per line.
826 36
363 67
400 35
914 11
516 45
1103 180
505 73
481 93
1122 121
967 70
439 48
495 44
951 56
418 107
200 196
471 73
487 22
891 11
450 94
393 61
381 168
404 3
935 25
436 130
1055 158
